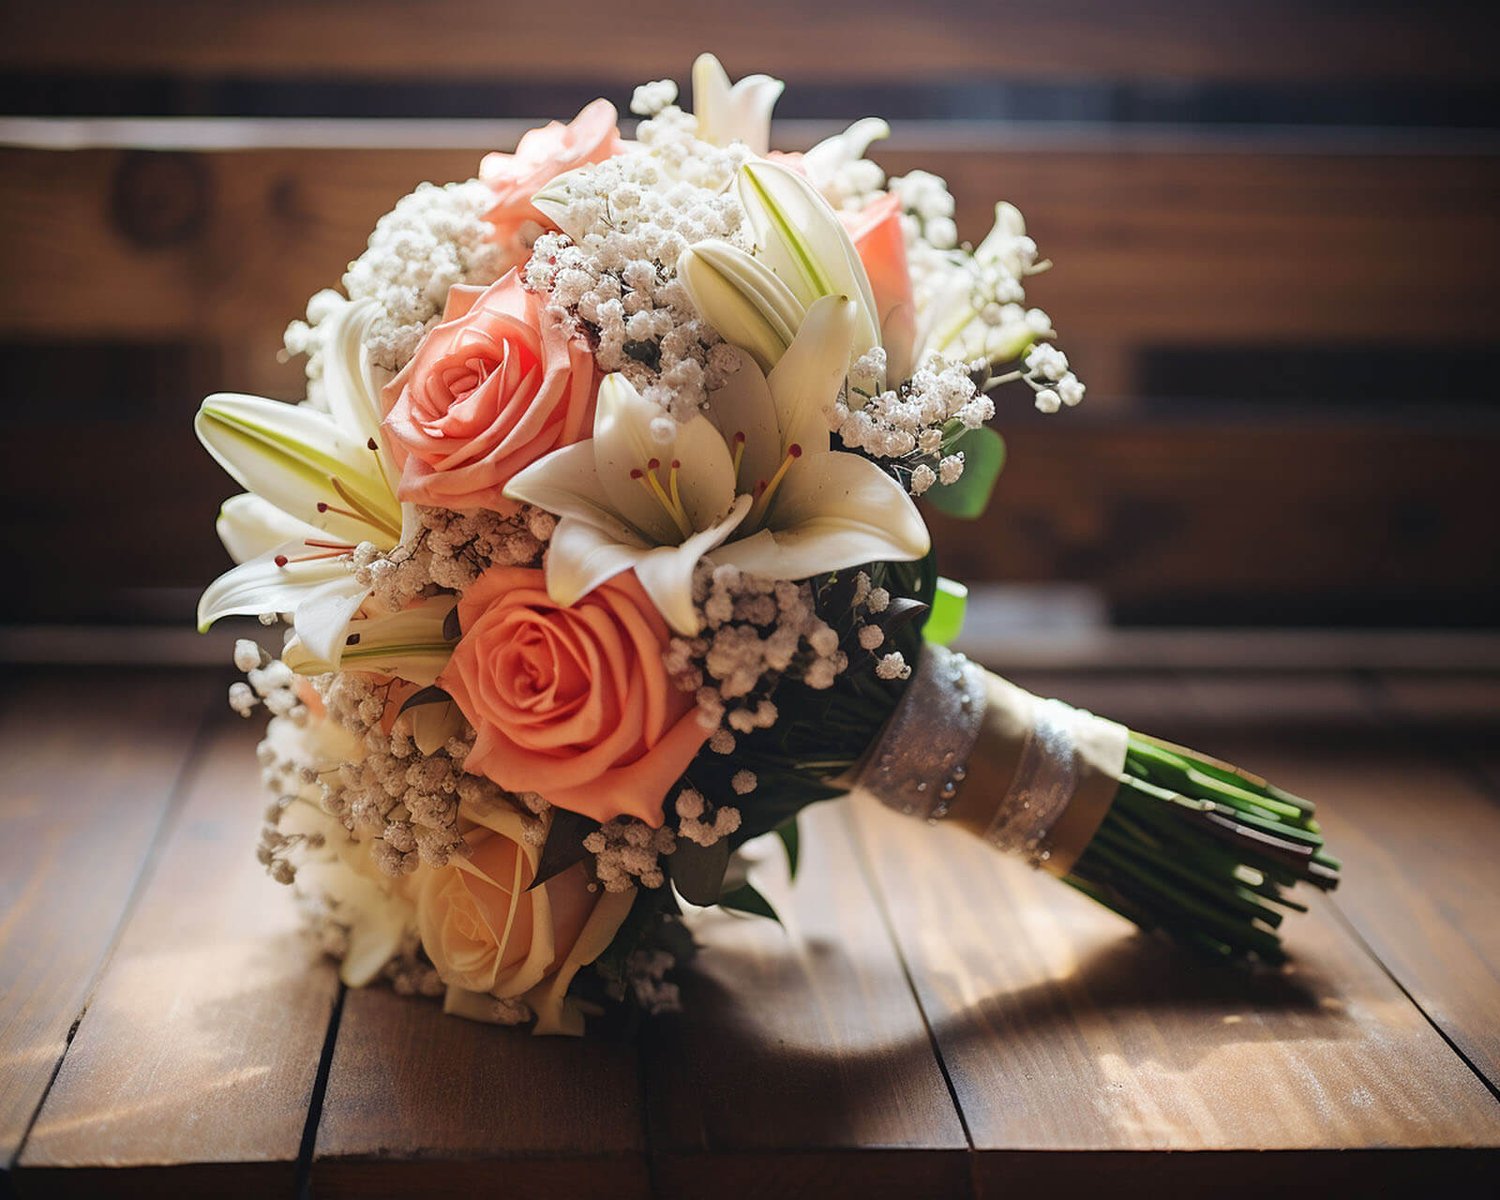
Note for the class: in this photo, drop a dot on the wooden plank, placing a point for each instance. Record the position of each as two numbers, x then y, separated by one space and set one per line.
1073 39
422 1104
1157 517
1419 841
92 762
1200 248
194 1066
1453 714
1062 1030
1213 516
801 1066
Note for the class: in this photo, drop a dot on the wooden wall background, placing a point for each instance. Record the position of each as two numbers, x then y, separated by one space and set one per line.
1274 223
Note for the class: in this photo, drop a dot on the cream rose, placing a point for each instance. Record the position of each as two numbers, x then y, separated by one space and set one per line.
489 933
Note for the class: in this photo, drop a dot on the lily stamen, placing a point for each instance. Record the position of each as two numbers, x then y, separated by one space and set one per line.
670 501
325 507
282 560
765 491
363 511
738 442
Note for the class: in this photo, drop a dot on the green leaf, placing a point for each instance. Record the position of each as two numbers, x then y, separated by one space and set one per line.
899 612
967 498
451 628
698 871
564 845
428 695
747 899
948 607
791 839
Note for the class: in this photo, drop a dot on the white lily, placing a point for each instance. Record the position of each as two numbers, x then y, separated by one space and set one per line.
804 253
412 644
319 484
738 113
743 299
759 469
951 323
825 160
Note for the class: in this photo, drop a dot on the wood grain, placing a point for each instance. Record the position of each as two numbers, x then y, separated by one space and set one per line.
1154 516
202 1042
91 765
1419 841
423 1104
1153 39
801 1066
1456 716
1062 1030
1193 248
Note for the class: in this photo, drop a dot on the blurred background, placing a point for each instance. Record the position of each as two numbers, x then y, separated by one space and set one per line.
1274 223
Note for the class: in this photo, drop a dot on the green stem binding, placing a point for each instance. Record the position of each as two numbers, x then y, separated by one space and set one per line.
1202 852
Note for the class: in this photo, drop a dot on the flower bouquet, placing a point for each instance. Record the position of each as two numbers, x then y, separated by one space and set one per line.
598 544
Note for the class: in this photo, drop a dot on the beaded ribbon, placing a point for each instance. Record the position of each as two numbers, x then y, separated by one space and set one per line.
1040 774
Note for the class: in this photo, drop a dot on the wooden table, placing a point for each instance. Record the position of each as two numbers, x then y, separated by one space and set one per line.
932 1020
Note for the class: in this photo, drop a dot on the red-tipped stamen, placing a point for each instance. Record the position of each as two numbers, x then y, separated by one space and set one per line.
325 507
763 497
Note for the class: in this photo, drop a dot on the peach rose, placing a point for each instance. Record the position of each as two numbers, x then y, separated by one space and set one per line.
488 935
541 156
493 388
572 703
881 245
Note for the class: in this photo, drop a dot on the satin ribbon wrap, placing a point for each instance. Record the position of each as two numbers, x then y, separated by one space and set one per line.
1034 777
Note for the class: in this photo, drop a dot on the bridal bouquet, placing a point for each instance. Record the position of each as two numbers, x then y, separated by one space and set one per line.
599 547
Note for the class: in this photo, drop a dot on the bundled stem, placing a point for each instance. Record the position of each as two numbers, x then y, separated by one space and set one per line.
1203 852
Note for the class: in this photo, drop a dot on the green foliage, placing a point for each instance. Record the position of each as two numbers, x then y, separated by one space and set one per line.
791 839
747 899
984 457
698 871
949 604
564 844
427 695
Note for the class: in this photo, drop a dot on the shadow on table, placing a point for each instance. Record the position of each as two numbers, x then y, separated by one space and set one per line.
1132 1005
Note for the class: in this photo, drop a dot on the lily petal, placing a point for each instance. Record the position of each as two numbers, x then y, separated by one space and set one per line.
728 114
250 527
825 159
622 444
804 242
261 586
349 381
566 482
666 573
410 644
807 380
297 458
837 510
743 407
322 618
624 448
705 472
742 298
581 556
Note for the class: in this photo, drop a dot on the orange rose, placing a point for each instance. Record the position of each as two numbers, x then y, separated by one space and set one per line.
487 934
541 156
572 703
493 388
881 245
